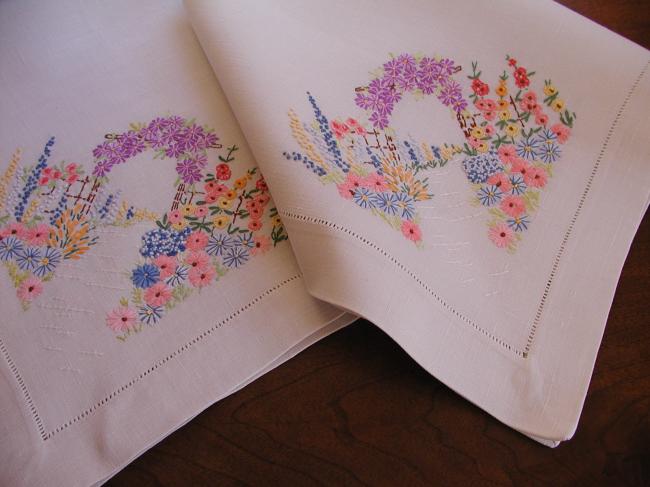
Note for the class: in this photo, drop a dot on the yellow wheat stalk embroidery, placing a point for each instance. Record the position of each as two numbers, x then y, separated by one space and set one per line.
8 175
302 138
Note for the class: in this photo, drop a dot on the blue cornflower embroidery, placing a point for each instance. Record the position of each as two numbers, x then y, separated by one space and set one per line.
406 204
550 152
145 276
236 256
47 262
246 240
519 223
518 184
179 275
386 202
150 315
28 258
10 247
489 195
528 148
362 197
219 243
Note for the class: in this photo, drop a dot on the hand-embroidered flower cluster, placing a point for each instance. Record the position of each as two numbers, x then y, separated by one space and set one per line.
510 144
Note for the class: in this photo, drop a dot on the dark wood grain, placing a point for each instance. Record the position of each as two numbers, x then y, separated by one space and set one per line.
354 409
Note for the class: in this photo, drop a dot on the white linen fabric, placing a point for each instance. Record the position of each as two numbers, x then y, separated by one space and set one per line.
143 271
466 175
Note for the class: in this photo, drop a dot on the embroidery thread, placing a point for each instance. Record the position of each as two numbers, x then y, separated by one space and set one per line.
50 213
509 146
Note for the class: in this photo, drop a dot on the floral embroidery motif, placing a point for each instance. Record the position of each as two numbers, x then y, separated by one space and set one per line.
50 213
215 223
508 150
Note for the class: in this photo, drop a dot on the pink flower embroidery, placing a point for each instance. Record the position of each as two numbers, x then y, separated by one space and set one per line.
489 115
197 259
355 126
521 166
261 245
562 132
535 177
29 289
513 205
197 240
411 231
541 118
262 199
166 264
501 181
254 225
120 319
16 229
376 183
339 129
201 211
201 276
507 154
158 294
38 235
175 216
349 186
501 235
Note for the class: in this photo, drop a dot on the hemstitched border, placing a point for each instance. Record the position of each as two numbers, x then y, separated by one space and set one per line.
46 435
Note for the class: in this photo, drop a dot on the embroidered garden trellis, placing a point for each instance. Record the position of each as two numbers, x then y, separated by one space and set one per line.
216 222
509 144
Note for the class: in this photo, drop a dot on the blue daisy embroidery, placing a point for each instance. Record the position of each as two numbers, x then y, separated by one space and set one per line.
218 244
236 257
47 262
145 276
489 195
28 258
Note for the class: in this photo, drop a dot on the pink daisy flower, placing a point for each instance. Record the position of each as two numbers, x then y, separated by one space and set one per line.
376 183
501 181
261 245
197 240
501 235
175 216
158 294
197 259
507 154
513 205
166 264
256 213
120 319
201 276
349 186
201 211
521 166
38 235
29 289
411 231
541 118
262 200
535 177
15 229
489 115
254 225
562 132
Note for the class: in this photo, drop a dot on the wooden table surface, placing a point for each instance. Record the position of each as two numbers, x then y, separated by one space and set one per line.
355 409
